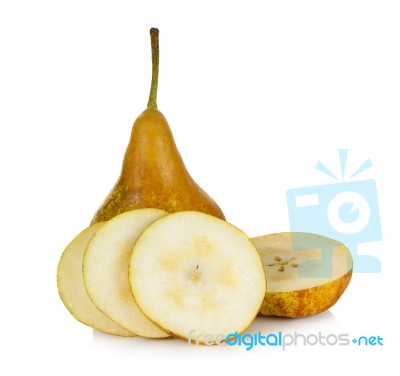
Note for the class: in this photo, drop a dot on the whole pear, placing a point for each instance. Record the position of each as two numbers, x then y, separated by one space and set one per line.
153 172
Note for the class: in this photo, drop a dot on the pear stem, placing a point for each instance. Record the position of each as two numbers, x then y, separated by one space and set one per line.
155 57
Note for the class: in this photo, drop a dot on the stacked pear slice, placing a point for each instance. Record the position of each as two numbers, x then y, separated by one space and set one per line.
72 289
106 266
153 274
190 271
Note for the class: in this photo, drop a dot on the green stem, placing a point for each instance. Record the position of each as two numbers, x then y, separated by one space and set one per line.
155 57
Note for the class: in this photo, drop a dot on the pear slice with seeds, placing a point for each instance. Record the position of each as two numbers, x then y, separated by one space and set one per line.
306 273
72 288
106 266
190 271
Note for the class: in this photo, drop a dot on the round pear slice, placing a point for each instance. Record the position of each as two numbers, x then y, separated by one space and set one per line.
72 288
106 265
195 275
306 273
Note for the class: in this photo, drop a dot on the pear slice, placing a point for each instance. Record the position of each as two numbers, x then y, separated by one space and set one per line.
191 274
72 288
306 273
106 265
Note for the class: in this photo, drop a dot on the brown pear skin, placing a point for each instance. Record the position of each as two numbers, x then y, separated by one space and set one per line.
305 302
153 173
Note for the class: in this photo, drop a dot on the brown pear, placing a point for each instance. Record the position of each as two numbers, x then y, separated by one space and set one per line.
153 173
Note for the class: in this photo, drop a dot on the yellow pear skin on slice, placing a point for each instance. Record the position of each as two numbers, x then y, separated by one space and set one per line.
192 273
106 266
306 273
72 288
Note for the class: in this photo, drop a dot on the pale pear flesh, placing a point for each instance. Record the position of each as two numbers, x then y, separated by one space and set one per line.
106 265
72 288
192 271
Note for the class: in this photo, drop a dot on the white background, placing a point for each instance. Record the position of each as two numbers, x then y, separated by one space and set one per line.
256 92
